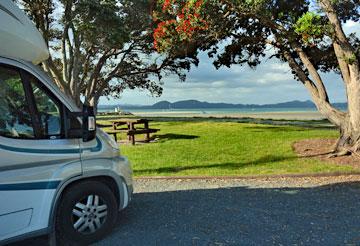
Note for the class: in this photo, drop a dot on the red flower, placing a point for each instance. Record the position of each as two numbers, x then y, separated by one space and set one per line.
188 21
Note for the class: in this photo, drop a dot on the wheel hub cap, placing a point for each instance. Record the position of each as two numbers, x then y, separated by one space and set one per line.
89 214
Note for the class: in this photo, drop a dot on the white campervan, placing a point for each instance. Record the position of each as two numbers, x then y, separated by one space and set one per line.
58 173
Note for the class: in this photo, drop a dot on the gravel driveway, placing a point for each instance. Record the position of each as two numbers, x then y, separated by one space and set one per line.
273 211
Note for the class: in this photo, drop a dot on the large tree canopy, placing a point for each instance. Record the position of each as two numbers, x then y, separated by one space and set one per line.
101 47
308 35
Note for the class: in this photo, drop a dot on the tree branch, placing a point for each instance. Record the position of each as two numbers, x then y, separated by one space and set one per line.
335 116
312 70
50 67
343 49
94 77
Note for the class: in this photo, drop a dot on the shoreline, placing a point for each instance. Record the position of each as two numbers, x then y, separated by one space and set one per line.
283 115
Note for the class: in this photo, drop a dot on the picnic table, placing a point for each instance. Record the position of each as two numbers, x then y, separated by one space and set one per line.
129 126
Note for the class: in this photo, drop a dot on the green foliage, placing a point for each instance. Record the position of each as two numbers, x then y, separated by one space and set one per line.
14 85
348 9
310 26
101 22
350 60
240 32
102 47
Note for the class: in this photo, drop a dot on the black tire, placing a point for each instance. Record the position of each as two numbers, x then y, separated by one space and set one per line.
66 233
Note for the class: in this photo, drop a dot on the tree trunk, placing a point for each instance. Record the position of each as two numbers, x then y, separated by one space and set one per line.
93 101
349 140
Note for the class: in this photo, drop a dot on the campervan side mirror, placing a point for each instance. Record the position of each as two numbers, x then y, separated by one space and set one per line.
86 131
89 123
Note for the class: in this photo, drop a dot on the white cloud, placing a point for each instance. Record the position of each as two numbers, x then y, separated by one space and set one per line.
352 27
270 82
350 24
274 77
219 84
284 67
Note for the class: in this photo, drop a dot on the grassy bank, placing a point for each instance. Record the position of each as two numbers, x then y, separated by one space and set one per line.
226 148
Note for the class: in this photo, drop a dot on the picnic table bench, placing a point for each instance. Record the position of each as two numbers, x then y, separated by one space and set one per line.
129 127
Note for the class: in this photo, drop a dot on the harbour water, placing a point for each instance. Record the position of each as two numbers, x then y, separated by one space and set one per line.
210 110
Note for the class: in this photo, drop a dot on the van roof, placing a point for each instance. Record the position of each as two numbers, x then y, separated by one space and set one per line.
19 37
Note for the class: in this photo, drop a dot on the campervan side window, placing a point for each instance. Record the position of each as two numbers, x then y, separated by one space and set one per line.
15 118
48 109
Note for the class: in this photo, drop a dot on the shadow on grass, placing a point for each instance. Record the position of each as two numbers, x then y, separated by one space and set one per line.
173 136
274 129
176 169
289 126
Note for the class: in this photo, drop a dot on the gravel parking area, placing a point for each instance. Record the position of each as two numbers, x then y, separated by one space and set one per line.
265 211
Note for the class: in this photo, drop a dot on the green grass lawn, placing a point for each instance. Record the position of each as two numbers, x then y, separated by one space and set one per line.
225 148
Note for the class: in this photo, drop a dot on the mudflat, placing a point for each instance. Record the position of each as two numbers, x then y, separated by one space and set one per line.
287 115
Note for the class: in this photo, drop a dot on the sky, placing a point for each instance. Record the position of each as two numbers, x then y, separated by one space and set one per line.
270 82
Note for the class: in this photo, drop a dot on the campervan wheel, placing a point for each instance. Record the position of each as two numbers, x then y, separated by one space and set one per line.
86 213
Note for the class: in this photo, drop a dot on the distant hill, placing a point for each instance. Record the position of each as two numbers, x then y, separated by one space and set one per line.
194 104
190 104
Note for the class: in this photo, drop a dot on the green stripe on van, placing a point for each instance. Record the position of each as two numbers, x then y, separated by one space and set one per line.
97 148
49 185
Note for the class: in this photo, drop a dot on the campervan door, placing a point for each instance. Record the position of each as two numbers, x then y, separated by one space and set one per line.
34 154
